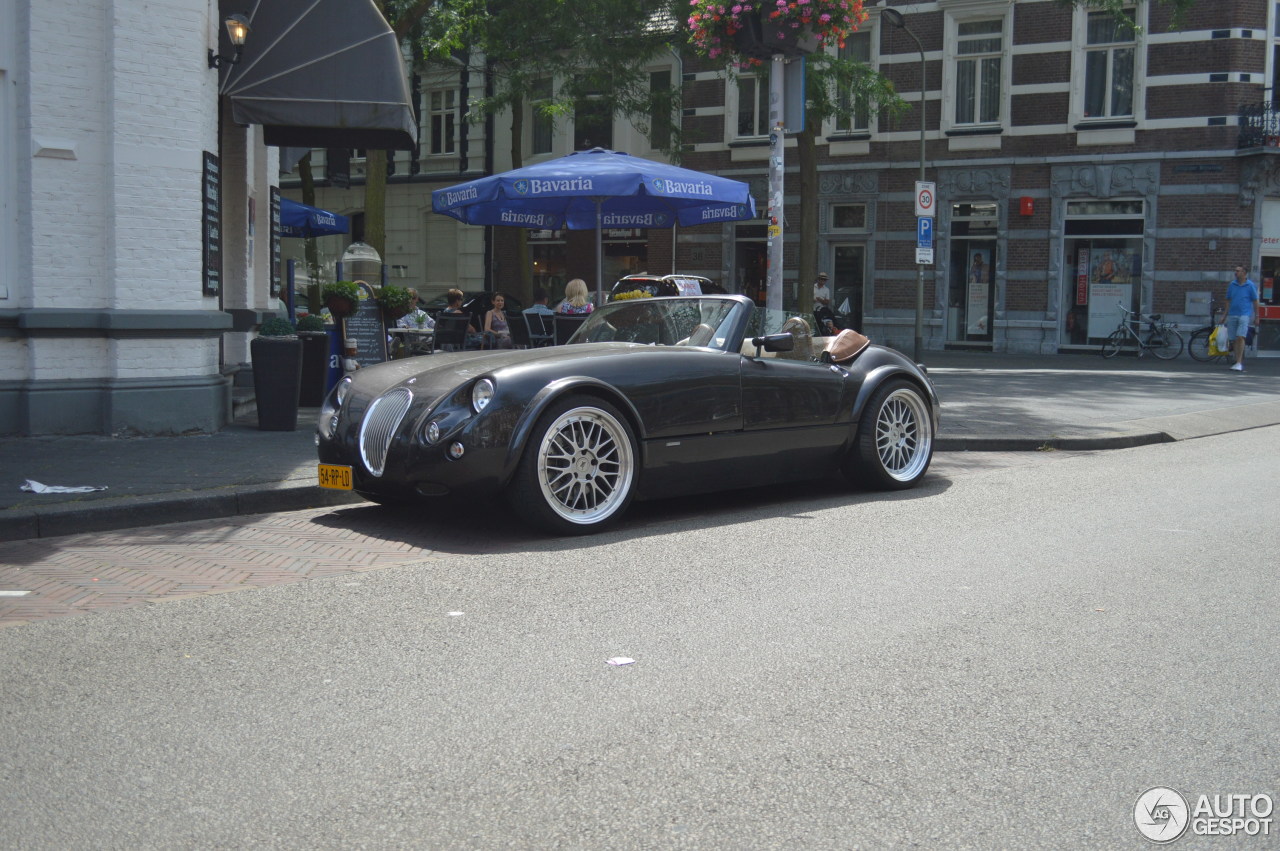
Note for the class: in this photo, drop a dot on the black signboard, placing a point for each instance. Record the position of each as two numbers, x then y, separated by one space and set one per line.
366 327
275 242
211 221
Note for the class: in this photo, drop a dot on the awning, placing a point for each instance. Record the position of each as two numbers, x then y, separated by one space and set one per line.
321 74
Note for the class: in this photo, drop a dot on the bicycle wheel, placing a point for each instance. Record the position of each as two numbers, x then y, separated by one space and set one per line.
1166 343
1114 343
1198 346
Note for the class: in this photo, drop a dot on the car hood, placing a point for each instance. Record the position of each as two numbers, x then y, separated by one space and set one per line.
438 373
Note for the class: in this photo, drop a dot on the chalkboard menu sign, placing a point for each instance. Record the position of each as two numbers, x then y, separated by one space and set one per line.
211 220
275 241
366 327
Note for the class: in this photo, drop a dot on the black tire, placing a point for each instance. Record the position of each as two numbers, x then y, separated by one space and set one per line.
1114 343
895 438
578 472
1166 343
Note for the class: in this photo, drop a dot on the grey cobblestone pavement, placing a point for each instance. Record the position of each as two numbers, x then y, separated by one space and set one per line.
990 402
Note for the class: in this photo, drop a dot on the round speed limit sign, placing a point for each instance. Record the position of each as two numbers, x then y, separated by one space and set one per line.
925 196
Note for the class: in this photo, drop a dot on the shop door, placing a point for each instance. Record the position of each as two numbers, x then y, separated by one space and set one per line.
848 265
971 297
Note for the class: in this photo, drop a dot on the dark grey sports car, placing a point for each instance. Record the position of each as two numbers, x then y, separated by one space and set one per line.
650 398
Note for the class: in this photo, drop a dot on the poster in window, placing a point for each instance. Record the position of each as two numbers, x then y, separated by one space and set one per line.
978 281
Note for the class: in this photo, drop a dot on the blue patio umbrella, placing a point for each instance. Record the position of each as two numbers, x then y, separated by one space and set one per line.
301 220
597 189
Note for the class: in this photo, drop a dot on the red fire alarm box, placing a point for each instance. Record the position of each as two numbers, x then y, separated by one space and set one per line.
1027 206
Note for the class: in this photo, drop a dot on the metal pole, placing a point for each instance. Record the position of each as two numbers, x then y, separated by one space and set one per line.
777 141
919 342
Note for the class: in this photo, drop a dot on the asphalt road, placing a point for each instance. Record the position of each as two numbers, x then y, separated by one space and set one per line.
1005 657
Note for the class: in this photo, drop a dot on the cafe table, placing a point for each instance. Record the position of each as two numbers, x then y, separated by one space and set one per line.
417 341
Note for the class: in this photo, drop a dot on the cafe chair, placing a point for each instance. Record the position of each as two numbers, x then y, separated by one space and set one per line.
565 326
541 329
451 332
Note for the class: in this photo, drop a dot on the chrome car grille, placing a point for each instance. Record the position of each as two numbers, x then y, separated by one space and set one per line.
379 427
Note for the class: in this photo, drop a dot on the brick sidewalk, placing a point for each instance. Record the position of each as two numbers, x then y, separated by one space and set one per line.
93 573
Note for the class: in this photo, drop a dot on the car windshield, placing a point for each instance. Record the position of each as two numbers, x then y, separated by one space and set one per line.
661 322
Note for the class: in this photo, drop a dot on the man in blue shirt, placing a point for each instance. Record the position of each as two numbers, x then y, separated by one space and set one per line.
537 335
1242 311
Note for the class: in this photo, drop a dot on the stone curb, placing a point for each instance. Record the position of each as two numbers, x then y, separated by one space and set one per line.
99 516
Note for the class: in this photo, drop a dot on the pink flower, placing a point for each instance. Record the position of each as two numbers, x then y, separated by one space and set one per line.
737 10
825 18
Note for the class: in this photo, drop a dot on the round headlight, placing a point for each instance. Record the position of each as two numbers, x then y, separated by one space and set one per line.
344 387
432 432
481 394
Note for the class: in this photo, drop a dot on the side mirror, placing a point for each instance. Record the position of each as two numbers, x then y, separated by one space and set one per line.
774 343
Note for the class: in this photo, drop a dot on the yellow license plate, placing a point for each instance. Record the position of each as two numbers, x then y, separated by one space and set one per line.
336 476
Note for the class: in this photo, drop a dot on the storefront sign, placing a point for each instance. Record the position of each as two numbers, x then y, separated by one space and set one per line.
211 222
275 243
1082 277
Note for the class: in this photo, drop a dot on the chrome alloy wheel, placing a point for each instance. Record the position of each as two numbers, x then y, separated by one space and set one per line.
585 465
904 434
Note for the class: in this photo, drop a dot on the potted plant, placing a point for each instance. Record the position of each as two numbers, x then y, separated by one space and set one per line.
277 374
315 361
341 297
754 31
395 301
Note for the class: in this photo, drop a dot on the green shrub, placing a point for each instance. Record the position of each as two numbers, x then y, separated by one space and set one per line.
311 323
341 289
276 327
395 300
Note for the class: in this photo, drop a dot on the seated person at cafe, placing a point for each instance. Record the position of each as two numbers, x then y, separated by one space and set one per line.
416 318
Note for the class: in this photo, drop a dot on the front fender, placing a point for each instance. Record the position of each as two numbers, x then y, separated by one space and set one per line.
553 391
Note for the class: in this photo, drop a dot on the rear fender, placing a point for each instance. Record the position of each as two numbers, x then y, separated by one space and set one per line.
549 394
888 372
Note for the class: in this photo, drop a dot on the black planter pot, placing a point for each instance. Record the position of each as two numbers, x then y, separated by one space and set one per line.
315 368
277 377
759 38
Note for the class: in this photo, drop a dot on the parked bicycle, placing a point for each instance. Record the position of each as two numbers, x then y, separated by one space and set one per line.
1160 338
1198 342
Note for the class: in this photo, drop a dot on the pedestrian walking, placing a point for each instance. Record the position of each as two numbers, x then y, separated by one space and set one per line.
1242 311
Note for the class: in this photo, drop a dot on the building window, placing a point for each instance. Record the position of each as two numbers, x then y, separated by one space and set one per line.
978 71
857 48
1109 57
849 217
592 124
660 125
540 124
753 106
443 115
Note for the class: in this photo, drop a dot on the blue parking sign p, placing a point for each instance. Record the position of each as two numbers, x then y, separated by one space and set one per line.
924 232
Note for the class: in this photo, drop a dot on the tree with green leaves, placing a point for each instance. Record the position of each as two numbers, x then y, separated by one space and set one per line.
565 56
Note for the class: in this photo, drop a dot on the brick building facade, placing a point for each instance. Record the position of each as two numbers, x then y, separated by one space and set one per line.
1079 164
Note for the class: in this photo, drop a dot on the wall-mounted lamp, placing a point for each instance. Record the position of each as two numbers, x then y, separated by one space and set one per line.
237 31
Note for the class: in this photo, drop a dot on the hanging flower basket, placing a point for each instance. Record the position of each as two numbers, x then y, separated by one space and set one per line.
755 31
340 306
341 297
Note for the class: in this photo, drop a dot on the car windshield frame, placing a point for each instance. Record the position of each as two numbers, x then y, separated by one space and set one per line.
714 322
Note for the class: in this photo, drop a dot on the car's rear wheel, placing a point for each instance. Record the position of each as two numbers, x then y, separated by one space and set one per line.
895 438
578 471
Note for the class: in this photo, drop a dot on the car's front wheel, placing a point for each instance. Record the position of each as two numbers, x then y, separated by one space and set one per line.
895 438
578 471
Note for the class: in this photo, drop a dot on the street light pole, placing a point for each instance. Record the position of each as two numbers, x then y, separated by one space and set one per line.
894 17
